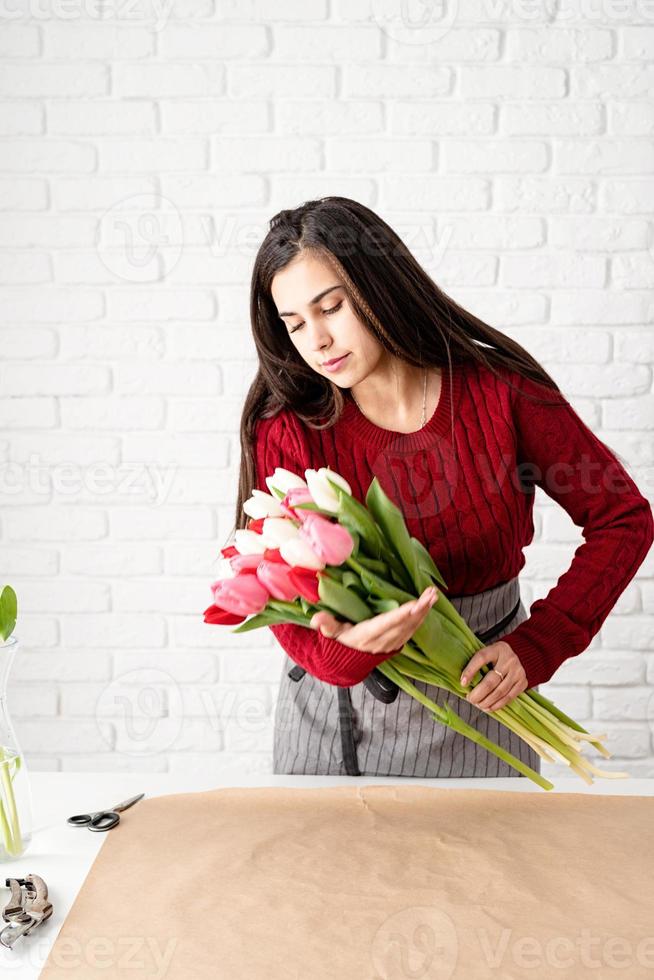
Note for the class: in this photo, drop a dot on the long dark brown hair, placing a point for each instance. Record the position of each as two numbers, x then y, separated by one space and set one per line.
391 294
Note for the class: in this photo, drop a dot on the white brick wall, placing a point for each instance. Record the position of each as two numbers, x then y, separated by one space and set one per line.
142 155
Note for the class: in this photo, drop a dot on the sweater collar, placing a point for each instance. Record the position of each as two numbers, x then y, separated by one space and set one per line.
439 424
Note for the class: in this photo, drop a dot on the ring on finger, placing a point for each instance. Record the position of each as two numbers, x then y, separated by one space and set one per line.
493 696
502 700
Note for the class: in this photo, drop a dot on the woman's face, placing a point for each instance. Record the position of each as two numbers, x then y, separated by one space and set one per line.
321 323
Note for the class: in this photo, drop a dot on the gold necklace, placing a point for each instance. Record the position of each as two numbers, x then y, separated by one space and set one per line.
424 402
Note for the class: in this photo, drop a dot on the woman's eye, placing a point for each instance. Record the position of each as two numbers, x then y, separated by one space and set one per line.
334 309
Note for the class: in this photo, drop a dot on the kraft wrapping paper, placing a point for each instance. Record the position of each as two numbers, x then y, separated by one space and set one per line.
392 882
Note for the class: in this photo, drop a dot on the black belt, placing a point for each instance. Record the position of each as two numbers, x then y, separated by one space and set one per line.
385 690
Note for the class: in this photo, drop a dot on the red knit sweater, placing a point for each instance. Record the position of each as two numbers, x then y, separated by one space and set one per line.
465 484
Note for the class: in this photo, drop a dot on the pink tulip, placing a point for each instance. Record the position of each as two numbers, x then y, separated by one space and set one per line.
243 595
274 576
245 563
331 542
305 580
240 565
295 496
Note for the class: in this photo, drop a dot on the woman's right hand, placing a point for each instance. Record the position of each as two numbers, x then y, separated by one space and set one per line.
383 633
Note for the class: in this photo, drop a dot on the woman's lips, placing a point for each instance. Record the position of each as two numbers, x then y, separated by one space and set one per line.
336 366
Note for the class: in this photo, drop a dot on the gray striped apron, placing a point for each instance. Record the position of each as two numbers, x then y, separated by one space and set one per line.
376 729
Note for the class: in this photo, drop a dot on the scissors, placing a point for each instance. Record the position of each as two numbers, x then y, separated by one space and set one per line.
103 819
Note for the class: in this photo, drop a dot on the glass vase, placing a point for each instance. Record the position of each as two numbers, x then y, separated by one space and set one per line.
15 790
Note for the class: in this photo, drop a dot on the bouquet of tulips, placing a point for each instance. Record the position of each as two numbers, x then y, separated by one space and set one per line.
310 545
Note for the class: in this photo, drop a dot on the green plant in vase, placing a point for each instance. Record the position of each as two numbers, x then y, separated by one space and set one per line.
10 761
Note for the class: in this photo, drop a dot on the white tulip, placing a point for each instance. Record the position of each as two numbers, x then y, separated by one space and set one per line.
276 530
262 504
248 542
283 481
224 569
296 551
320 490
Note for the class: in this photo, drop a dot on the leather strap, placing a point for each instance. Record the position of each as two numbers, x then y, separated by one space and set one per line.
346 724
494 630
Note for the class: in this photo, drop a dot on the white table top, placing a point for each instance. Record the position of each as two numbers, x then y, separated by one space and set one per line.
63 854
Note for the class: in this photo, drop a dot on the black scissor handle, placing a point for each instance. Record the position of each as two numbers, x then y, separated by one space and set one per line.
80 819
104 821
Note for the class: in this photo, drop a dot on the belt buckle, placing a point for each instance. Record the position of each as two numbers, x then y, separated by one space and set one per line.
381 687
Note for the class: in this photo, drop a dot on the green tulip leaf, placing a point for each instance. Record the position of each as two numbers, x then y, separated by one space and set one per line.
383 605
379 567
8 612
427 563
271 618
391 521
342 601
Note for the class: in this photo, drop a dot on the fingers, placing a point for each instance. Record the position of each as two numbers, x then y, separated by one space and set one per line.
489 695
517 689
420 606
381 632
493 691
403 621
491 655
325 623
398 626
490 690
477 660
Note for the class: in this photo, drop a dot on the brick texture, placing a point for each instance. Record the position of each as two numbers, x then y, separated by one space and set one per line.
142 155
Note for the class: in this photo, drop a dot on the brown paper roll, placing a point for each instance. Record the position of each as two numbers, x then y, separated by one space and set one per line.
392 882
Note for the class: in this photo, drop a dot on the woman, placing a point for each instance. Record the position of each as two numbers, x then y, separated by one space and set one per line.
459 423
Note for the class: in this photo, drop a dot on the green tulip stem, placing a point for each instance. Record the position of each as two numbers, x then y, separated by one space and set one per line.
9 824
530 721
448 717
6 831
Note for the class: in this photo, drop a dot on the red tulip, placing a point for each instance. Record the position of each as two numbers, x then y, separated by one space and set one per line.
305 581
220 617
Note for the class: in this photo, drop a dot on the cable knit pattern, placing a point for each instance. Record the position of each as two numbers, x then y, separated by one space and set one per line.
465 483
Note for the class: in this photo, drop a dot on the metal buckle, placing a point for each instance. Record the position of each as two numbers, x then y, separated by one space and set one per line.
381 686
24 912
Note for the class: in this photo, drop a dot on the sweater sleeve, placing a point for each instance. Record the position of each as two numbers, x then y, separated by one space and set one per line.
277 444
579 472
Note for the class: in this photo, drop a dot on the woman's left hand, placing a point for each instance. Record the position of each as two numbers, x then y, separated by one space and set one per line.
493 692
